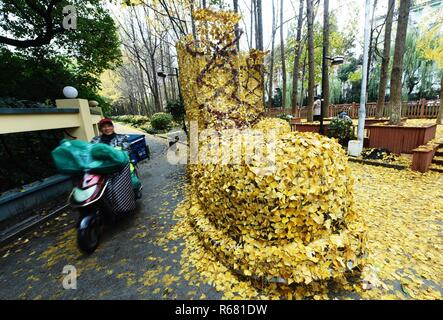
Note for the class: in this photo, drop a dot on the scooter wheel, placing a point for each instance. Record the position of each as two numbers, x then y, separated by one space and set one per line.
88 235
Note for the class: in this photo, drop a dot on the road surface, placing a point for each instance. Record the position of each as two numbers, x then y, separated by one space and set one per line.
133 261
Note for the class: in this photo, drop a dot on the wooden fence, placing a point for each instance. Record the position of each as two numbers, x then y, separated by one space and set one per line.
413 110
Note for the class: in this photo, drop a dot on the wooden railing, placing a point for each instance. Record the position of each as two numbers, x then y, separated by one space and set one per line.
412 110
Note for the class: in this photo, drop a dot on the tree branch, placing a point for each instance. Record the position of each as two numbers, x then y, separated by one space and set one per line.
46 36
36 42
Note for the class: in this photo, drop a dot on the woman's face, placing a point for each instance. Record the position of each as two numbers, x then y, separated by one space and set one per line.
107 129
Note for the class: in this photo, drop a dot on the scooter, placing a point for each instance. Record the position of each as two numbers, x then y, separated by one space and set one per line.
90 198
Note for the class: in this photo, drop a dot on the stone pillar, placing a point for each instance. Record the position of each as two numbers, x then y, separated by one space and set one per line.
85 131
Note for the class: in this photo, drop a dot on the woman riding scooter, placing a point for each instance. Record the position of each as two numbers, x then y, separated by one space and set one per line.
108 184
113 199
109 137
119 141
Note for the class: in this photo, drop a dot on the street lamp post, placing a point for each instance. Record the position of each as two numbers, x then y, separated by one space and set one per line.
324 71
179 87
355 147
362 108
163 74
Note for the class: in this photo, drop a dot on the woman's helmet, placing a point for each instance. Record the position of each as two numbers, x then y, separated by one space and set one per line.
105 121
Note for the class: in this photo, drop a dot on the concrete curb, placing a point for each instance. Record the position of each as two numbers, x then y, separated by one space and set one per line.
17 230
13 203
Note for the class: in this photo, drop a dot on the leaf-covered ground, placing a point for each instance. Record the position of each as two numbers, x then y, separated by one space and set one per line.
403 211
404 214
146 256
134 260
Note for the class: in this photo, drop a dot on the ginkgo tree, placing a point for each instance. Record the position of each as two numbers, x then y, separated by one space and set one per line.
431 46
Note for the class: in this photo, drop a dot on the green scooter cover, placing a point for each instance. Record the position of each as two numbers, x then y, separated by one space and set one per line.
76 157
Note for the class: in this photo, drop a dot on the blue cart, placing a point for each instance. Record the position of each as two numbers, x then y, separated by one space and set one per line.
139 150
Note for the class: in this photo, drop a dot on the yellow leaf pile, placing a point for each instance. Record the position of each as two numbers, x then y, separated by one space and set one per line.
297 223
285 214
221 88
279 125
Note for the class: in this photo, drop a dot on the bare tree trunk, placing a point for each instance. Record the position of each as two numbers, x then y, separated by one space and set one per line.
171 79
136 63
151 46
140 85
259 22
142 88
271 71
283 58
303 77
385 60
440 110
325 71
311 66
162 62
259 35
252 22
371 45
237 29
191 8
397 66
203 4
155 89
256 24
299 47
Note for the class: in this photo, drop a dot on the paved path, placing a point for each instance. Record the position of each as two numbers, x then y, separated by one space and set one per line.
134 260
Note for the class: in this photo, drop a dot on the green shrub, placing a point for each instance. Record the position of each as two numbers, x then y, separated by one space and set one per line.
145 127
122 118
8 102
341 129
139 120
151 130
134 120
148 129
277 98
161 121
